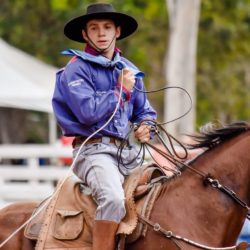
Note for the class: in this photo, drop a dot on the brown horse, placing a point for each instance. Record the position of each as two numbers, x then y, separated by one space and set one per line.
187 205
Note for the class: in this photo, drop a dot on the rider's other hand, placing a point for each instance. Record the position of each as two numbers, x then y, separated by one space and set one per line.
143 133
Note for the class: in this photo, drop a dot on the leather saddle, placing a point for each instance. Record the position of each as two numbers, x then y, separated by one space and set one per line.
66 221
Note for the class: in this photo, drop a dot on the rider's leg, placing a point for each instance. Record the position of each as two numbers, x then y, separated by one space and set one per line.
106 184
101 174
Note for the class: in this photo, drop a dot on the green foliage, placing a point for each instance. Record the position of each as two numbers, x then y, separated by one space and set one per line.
223 75
37 28
223 81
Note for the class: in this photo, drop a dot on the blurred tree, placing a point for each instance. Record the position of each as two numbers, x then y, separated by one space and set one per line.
223 76
181 65
21 126
37 28
223 61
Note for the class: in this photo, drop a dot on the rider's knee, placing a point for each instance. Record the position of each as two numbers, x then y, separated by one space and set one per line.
116 203
113 208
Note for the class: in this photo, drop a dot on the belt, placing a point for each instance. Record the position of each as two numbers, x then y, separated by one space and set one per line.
107 140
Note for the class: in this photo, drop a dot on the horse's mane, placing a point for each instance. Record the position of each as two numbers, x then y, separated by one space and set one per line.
211 135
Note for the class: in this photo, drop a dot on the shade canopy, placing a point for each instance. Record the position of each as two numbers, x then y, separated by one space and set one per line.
25 82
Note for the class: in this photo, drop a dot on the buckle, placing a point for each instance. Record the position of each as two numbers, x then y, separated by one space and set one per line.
106 140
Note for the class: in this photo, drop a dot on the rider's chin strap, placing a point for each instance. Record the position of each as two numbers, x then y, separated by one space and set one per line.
100 51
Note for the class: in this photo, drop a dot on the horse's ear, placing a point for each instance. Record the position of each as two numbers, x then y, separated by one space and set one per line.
243 246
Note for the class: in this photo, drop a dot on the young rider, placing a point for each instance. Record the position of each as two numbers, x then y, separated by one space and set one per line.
86 95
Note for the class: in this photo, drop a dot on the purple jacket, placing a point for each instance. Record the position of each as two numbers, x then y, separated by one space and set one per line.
86 95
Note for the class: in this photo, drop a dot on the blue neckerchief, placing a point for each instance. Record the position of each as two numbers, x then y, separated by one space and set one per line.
105 62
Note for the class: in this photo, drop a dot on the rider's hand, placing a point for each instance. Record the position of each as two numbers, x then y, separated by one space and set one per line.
143 133
127 79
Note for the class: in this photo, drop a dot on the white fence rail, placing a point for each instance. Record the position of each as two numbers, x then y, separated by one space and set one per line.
28 179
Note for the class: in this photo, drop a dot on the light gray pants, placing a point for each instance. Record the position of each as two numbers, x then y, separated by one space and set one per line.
97 166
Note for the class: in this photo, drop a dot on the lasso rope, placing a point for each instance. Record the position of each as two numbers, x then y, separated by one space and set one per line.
120 161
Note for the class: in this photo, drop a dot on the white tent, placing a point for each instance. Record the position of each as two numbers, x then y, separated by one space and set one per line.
26 83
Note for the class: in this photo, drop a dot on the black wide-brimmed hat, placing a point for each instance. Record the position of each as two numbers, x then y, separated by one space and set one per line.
73 29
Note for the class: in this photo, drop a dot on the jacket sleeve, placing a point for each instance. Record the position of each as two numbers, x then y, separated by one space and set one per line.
142 108
80 95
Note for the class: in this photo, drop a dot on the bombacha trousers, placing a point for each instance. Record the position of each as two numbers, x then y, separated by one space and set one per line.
97 166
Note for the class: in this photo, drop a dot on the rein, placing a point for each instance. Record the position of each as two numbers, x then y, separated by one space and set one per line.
172 156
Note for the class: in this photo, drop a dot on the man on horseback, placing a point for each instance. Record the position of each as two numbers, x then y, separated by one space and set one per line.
96 83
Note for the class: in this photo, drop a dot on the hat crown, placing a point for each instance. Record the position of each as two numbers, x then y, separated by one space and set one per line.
99 8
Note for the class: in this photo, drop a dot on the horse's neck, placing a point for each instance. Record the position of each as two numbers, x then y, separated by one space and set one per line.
202 212
230 164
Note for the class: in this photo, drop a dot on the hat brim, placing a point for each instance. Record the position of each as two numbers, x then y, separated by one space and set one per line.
73 29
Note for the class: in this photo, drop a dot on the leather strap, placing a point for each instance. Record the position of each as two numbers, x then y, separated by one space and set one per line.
80 139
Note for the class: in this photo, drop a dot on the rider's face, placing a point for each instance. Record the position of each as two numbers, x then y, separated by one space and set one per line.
102 32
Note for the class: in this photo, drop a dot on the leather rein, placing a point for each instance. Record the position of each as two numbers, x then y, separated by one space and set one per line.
207 180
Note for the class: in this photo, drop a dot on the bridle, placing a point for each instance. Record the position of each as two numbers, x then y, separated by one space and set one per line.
173 157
